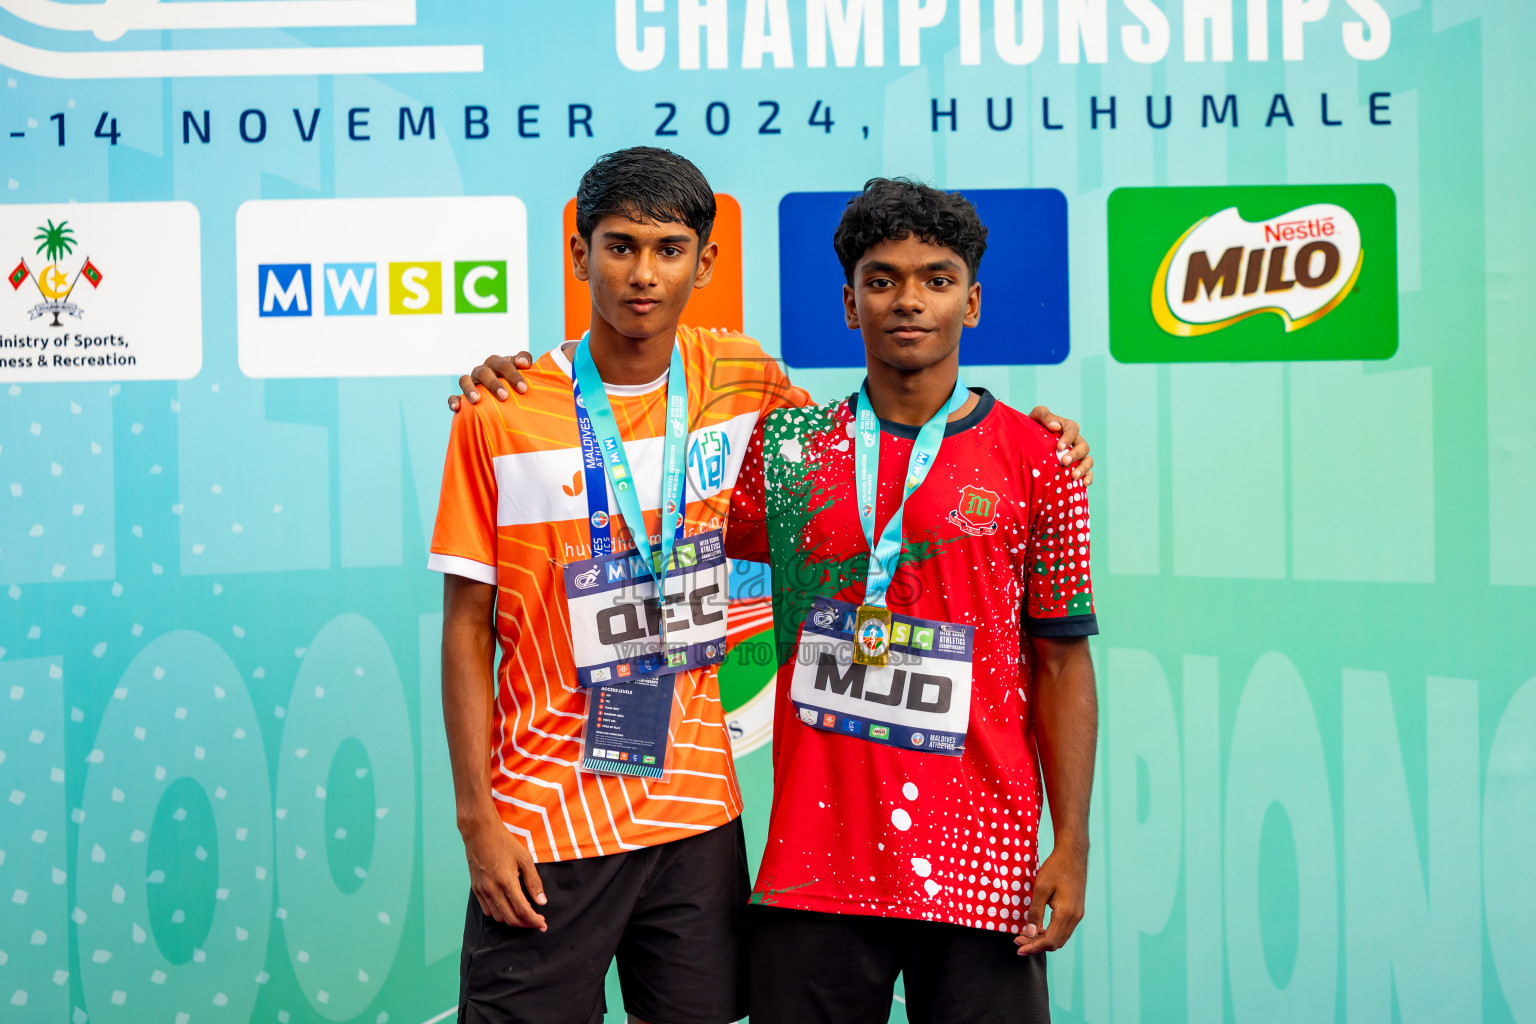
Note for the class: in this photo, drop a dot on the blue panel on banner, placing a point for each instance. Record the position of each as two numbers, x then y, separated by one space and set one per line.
284 289
1023 277
351 289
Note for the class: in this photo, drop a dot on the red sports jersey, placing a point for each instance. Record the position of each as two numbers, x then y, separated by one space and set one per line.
996 538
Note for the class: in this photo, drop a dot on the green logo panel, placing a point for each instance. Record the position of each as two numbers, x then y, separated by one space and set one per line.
480 286
1252 273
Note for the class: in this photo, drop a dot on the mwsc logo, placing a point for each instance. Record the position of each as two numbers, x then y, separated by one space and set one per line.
448 276
352 289
1245 274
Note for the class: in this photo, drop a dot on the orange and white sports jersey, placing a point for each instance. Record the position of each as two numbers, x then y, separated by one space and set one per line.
513 506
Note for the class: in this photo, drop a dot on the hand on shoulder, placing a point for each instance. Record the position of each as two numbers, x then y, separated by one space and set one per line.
498 375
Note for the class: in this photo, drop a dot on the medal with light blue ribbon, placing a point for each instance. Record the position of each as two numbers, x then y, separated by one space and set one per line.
872 622
593 397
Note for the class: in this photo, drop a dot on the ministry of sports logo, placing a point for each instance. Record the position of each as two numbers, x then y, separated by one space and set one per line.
100 291
55 281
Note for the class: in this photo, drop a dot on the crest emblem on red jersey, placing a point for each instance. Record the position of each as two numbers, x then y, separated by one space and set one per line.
977 512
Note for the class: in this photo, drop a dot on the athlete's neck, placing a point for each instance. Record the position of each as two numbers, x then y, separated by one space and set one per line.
912 397
624 360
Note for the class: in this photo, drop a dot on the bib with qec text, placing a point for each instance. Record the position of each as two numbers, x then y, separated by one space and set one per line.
618 618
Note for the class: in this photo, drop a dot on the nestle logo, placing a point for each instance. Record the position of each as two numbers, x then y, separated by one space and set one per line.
1294 230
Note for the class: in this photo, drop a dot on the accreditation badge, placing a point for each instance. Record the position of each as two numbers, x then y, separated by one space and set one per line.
623 628
918 699
627 727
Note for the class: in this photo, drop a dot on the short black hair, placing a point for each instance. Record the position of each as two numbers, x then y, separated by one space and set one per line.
890 209
645 183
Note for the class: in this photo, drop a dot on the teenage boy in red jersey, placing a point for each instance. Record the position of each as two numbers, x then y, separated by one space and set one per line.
932 604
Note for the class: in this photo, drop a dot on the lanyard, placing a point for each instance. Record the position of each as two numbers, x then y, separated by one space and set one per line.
884 552
602 447
595 478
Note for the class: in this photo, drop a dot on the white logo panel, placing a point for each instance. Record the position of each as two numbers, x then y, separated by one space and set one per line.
379 287
100 291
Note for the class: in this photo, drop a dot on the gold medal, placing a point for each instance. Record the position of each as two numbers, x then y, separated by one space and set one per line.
872 635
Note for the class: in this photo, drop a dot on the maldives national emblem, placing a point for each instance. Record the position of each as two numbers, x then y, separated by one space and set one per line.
54 284
977 512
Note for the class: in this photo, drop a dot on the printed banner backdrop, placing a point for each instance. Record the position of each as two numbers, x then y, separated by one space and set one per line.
249 246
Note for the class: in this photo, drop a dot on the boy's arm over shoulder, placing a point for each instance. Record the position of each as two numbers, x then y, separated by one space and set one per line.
464 536
1058 595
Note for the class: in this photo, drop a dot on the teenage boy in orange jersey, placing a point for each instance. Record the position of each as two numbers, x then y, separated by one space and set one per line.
592 775
586 842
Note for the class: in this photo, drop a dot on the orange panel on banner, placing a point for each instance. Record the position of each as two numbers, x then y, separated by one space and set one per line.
717 307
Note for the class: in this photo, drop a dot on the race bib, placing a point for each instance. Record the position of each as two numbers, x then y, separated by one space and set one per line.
618 619
919 700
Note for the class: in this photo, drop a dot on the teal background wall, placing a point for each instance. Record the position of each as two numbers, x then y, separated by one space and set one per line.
224 792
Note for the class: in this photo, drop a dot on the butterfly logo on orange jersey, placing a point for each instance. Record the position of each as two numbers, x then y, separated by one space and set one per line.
574 487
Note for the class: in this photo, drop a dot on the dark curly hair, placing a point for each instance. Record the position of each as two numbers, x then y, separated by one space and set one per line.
890 209
647 184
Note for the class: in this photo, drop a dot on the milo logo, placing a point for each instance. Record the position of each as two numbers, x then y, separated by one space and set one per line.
1253 273
1298 266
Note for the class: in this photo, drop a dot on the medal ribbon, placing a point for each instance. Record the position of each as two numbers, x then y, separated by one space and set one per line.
592 406
885 551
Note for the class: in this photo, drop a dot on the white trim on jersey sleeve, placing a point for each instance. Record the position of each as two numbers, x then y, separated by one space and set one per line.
466 567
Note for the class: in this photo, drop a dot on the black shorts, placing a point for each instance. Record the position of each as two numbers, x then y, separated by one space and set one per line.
674 915
809 968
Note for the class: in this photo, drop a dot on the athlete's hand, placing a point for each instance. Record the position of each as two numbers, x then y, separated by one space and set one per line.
496 373
1071 447
500 868
1059 884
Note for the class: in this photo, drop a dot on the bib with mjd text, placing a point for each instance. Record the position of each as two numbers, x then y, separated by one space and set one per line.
920 699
